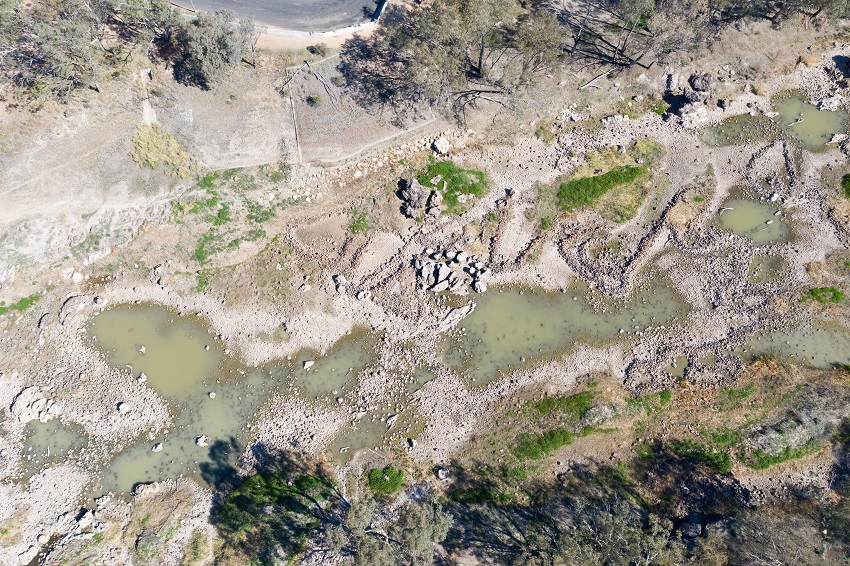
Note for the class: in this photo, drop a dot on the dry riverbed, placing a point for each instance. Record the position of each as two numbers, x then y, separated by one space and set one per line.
320 318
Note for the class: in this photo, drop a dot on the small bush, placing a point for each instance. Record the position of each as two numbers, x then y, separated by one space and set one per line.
319 50
478 496
386 481
720 462
822 295
845 185
535 447
313 100
580 192
359 222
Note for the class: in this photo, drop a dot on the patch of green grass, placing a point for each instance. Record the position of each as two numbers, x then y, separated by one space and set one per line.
478 496
208 180
545 133
659 107
698 198
492 217
573 407
512 473
535 447
258 213
221 217
652 403
386 481
545 223
761 460
580 192
359 222
719 461
822 295
22 304
205 248
201 205
458 181
845 185
202 279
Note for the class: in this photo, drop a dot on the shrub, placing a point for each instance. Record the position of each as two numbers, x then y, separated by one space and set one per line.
386 481
313 100
580 192
319 50
845 185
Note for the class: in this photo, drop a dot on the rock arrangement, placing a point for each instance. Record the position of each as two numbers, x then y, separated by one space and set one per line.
450 270
419 199
30 405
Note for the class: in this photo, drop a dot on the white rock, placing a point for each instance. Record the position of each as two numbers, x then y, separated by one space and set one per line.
123 408
157 447
479 287
142 378
212 394
77 277
202 441
142 350
441 145
308 364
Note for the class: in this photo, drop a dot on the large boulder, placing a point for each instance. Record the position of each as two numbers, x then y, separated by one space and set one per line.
30 405
700 82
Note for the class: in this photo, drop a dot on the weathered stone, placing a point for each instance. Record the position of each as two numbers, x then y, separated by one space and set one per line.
479 287
441 145
701 82
415 196
202 441
157 447
308 364
71 307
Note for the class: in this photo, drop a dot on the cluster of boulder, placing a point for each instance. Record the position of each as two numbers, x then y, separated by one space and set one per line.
419 199
30 405
450 270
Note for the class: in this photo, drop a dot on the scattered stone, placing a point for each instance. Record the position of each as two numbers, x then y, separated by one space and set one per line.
442 473
411 443
415 196
123 408
700 82
142 350
308 364
479 287
29 405
212 394
157 447
202 441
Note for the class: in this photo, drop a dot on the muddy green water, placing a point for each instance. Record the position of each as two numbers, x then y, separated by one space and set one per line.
184 364
766 268
755 220
511 327
49 443
809 127
795 119
819 344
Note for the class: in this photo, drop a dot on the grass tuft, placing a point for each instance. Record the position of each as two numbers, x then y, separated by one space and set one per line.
453 182
583 191
822 295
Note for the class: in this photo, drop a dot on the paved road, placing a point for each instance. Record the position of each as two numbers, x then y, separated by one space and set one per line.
304 15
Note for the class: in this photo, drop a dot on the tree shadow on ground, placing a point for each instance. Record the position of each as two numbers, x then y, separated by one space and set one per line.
268 517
